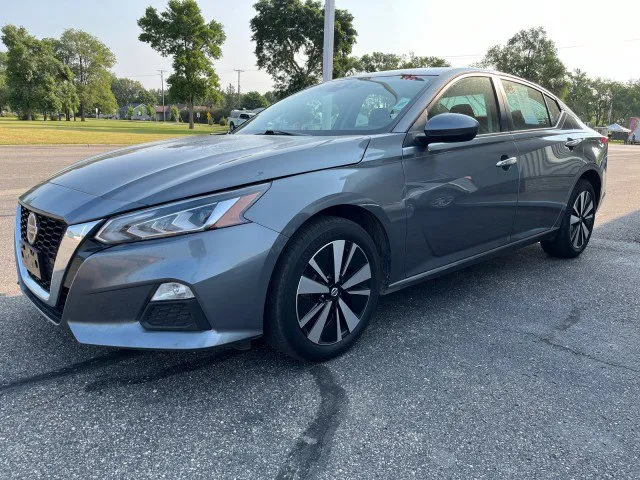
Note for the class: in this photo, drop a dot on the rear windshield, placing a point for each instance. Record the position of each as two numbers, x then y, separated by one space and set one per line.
346 106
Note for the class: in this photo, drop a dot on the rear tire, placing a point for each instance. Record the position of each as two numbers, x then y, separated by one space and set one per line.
577 224
324 290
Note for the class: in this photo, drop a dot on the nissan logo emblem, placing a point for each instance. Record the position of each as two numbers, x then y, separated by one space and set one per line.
32 228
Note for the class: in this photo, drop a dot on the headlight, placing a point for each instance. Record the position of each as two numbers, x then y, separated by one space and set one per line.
195 215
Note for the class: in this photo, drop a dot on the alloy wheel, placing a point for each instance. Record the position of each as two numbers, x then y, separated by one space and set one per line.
582 219
333 292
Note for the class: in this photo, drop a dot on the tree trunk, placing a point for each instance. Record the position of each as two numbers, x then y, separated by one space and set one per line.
191 116
82 113
67 114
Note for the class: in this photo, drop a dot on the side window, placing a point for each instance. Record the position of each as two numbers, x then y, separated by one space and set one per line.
472 96
527 106
554 109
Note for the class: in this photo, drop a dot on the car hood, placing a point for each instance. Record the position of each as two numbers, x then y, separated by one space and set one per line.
161 172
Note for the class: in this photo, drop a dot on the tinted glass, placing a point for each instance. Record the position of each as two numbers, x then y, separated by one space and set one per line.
349 105
472 96
554 109
527 106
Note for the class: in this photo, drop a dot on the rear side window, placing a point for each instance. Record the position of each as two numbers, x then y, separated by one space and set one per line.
526 105
244 116
554 109
472 96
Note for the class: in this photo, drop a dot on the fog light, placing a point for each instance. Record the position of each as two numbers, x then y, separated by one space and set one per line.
172 291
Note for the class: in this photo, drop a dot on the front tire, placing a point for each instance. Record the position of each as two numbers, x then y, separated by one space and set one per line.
324 290
577 224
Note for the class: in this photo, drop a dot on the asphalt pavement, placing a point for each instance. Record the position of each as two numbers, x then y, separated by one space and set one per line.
521 367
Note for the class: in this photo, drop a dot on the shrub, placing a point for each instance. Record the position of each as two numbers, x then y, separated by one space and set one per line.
222 122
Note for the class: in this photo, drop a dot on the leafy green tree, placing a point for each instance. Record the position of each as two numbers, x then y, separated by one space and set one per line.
581 95
151 111
90 60
69 101
380 61
289 39
130 112
32 73
414 61
270 97
530 54
252 100
4 89
127 91
181 32
174 113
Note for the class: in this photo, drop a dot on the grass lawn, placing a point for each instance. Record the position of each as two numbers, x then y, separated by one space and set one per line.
93 131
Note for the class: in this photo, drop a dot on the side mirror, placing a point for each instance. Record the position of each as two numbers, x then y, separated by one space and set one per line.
451 127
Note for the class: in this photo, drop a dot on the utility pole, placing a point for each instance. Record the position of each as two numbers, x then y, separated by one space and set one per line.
327 53
239 72
164 117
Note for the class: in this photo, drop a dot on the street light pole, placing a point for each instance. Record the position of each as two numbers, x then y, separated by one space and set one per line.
164 117
327 55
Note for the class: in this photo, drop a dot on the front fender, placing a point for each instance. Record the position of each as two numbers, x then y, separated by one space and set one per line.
374 186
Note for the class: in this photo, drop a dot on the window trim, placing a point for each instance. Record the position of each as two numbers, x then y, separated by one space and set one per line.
560 111
420 122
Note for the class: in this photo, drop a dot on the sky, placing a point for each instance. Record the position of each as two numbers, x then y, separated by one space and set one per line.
588 35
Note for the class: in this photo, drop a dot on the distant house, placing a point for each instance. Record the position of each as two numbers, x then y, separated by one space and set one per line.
160 116
139 112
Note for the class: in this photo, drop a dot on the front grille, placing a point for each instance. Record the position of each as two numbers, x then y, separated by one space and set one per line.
50 233
174 315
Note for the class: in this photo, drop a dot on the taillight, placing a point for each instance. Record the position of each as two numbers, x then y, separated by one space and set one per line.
604 140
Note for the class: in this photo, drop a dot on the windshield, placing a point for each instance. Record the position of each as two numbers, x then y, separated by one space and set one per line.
346 106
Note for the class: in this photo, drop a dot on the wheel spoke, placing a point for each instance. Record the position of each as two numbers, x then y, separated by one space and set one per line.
360 276
308 286
589 208
574 219
585 232
352 250
350 317
588 218
365 292
338 327
338 252
311 314
318 270
575 235
316 331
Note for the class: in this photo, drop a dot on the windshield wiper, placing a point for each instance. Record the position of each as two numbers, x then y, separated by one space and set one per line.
279 132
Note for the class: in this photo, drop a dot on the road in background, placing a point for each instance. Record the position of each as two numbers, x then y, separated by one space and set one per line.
521 367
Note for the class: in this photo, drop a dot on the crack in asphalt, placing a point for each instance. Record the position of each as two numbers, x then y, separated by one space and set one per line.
315 442
90 364
176 369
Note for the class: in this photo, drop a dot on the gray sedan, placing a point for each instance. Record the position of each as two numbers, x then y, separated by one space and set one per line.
294 225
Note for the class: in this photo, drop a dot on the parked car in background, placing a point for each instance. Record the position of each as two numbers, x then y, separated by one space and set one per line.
238 117
295 224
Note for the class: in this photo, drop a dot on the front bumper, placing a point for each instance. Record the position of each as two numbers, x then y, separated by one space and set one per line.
228 271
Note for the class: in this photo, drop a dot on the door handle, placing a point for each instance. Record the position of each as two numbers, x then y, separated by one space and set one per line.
507 162
572 142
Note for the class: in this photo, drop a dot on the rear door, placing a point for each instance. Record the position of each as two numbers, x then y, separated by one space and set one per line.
459 201
548 156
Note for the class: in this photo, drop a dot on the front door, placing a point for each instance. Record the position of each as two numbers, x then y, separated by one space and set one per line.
460 203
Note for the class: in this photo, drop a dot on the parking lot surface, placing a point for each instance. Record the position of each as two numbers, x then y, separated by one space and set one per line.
521 367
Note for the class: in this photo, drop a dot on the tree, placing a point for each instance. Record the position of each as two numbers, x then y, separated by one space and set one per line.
253 100
181 31
151 111
4 89
379 61
289 38
130 112
127 91
531 55
270 97
175 113
581 95
89 60
32 73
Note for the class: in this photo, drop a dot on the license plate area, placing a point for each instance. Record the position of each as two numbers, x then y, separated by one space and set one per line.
31 259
